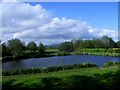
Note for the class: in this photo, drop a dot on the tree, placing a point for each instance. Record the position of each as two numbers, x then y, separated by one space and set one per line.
88 44
0 50
32 47
77 44
41 48
112 43
4 49
15 46
118 44
66 47
108 42
98 43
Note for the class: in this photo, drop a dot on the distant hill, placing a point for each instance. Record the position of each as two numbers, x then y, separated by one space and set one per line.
52 46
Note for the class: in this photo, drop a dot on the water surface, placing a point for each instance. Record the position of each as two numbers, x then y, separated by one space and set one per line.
56 61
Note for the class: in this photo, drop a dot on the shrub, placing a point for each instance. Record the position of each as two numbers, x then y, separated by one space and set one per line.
110 63
47 69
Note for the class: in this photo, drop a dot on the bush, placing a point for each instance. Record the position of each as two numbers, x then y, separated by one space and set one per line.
47 69
63 53
86 64
110 63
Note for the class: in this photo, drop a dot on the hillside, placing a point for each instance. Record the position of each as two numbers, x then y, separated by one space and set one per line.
91 78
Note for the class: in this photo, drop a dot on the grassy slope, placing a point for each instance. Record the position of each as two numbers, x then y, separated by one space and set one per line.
78 78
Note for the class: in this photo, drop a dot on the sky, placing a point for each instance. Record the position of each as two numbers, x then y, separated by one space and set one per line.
93 12
54 23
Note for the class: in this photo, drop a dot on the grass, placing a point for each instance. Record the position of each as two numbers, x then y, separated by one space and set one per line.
92 51
99 51
52 50
90 78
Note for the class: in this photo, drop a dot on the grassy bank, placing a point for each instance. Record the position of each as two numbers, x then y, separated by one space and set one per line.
26 55
56 68
89 78
56 52
47 69
89 51
99 51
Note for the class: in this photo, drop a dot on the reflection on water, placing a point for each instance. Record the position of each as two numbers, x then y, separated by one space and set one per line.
56 61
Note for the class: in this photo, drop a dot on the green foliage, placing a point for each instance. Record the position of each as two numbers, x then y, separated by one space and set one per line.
77 44
62 53
99 51
93 79
15 46
15 49
47 69
88 44
66 47
53 50
4 50
118 44
41 48
108 42
79 51
110 63
32 47
86 64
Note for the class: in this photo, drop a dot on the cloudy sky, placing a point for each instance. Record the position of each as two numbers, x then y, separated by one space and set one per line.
53 23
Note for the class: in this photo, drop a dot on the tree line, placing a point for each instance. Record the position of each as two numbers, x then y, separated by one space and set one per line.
16 47
104 42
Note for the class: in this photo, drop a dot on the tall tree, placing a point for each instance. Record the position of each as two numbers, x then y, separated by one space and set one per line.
98 43
15 46
0 50
32 47
67 47
3 49
77 44
41 48
118 44
108 42
88 44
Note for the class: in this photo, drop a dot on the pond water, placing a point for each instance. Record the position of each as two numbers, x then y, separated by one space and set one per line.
56 61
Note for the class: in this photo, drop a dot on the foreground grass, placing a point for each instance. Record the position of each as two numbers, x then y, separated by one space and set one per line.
92 78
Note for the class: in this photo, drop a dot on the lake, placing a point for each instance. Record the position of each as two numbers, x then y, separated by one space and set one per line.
56 61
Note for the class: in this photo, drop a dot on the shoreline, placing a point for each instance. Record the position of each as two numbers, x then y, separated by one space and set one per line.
11 58
84 65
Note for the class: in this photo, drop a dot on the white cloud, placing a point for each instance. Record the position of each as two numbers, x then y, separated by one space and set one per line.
9 0
26 22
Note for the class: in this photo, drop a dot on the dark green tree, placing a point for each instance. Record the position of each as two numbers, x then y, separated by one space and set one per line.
77 44
88 44
98 43
118 44
41 48
3 49
32 47
0 50
108 42
15 47
66 47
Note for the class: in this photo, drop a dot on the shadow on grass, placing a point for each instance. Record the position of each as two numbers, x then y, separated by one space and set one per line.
107 81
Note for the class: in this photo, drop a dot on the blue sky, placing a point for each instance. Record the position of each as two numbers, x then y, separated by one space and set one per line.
53 23
98 14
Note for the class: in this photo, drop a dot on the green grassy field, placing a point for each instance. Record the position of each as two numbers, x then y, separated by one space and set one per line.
91 78
99 51
52 50
92 51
